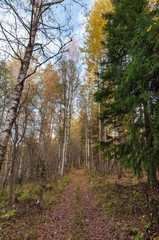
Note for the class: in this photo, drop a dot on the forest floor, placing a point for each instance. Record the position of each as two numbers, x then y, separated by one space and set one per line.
80 209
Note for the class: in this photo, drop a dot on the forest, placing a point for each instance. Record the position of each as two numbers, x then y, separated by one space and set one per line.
79 120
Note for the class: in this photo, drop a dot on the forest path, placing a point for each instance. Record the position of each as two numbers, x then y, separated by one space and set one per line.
75 209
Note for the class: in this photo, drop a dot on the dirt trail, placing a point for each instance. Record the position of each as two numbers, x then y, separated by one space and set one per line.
59 223
96 227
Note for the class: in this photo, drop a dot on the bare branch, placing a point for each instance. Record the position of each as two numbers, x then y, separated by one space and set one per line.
52 3
9 54
13 36
3 31
18 16
80 4
46 6
39 65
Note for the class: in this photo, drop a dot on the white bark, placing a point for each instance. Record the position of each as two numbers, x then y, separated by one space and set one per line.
63 149
11 115
38 8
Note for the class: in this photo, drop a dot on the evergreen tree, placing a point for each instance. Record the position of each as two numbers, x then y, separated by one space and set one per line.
130 85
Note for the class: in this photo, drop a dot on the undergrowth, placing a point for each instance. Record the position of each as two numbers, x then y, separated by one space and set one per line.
134 207
78 221
30 202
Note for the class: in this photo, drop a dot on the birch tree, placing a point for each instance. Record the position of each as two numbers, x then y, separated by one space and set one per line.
69 75
21 39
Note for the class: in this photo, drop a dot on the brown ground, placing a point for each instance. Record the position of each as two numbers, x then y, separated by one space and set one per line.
59 224
78 215
96 227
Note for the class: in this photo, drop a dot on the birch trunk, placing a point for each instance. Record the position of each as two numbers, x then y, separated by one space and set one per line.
64 141
66 105
91 156
67 139
63 149
69 125
12 112
38 9
59 145
91 151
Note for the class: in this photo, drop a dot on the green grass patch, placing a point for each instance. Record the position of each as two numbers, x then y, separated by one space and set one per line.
129 203
78 221
30 201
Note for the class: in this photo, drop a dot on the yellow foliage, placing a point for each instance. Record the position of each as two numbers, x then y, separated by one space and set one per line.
50 83
94 32
149 28
152 3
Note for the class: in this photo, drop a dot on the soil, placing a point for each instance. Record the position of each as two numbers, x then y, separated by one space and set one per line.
76 215
59 224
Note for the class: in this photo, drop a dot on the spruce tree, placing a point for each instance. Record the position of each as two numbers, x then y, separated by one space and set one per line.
129 93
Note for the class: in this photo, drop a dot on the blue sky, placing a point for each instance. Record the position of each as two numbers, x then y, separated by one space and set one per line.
80 19
74 10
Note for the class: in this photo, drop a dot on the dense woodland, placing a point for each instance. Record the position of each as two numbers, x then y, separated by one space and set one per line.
65 106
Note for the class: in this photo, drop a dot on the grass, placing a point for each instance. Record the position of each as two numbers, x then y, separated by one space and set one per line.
27 213
128 201
78 221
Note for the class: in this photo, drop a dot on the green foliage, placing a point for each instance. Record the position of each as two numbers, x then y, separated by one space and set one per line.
8 215
86 173
78 221
4 199
139 236
28 192
53 191
41 169
133 231
25 222
36 190
130 73
135 196
127 203
25 196
67 180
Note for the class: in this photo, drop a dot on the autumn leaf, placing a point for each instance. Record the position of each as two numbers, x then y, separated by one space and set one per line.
149 28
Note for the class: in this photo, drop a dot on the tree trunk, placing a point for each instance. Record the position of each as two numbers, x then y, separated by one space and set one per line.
99 139
14 155
64 143
105 158
5 174
59 145
12 112
69 125
152 175
91 154
86 145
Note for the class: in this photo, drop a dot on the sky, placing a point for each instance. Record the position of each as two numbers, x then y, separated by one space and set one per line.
81 19
77 14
